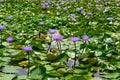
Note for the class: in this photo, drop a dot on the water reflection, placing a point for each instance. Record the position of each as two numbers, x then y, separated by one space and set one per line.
22 71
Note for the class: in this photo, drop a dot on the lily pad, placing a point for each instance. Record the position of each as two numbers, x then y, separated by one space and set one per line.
111 75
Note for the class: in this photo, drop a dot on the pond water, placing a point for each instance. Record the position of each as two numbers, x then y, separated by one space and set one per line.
22 71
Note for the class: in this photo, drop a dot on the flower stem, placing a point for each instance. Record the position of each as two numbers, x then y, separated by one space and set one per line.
75 54
49 45
28 64
58 46
84 48
1 37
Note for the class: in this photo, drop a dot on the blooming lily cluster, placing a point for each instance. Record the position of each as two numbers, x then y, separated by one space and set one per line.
74 39
9 39
60 37
1 28
27 48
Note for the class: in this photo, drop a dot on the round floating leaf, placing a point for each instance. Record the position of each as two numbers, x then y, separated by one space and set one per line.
78 77
38 70
48 67
62 57
51 57
10 69
23 77
61 70
54 74
7 77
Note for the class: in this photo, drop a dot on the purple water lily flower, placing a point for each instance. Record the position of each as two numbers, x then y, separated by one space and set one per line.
9 17
89 13
52 31
9 39
82 12
1 28
62 2
85 38
45 5
72 15
98 1
57 37
27 48
106 9
111 19
65 8
79 9
74 39
74 0
41 23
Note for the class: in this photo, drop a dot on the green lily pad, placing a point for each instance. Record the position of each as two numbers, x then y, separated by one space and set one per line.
48 67
10 69
7 77
111 75
54 74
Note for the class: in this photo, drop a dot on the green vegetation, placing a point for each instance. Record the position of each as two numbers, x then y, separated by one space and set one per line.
27 23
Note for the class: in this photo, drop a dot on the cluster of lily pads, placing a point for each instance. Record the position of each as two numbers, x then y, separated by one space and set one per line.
41 39
55 37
